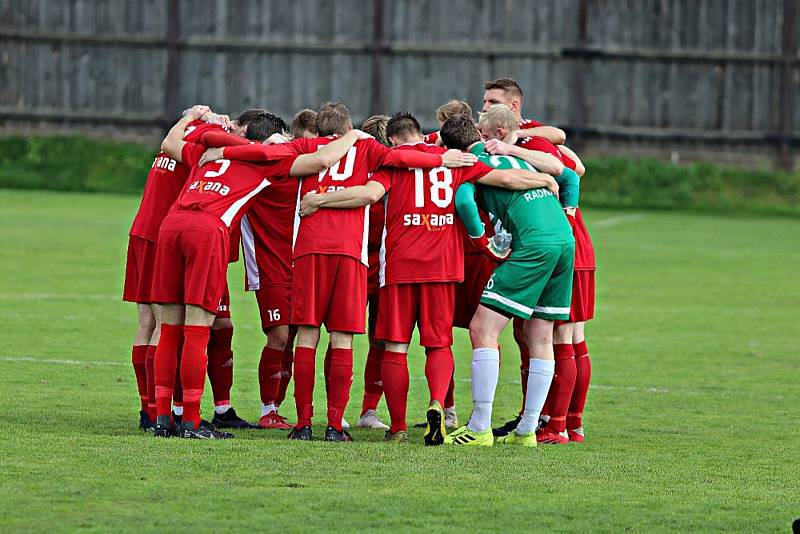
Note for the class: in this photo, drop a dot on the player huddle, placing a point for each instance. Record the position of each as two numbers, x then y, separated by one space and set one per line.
472 226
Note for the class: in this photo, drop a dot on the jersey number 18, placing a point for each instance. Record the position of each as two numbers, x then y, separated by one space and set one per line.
441 180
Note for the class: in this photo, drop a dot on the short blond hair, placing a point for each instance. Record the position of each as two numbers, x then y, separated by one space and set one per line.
452 107
498 116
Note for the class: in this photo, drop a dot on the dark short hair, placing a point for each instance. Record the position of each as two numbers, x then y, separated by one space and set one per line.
332 118
260 124
403 124
376 127
459 132
305 120
509 85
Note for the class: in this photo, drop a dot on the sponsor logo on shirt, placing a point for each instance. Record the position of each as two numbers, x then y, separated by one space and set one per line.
433 222
163 162
203 186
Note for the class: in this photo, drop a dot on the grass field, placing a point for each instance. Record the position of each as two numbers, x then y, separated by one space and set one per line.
692 418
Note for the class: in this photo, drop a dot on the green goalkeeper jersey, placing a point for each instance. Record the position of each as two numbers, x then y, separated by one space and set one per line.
532 217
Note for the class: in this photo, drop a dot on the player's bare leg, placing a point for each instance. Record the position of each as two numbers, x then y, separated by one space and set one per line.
340 381
142 359
220 374
583 374
484 332
557 403
170 319
540 342
304 362
270 375
394 373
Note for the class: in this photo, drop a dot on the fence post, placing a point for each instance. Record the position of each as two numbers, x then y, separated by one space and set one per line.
581 115
376 49
788 50
171 86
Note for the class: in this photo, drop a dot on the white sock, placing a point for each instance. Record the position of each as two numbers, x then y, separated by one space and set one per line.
222 408
485 372
178 410
540 376
266 408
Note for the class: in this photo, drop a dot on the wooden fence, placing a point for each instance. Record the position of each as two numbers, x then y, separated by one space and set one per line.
714 78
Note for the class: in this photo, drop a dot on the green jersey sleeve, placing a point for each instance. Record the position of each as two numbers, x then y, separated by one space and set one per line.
569 185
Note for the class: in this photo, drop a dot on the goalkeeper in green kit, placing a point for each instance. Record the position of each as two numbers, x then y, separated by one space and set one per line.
535 283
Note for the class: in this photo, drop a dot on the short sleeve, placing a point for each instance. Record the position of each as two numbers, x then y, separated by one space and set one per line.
384 177
376 152
191 153
282 167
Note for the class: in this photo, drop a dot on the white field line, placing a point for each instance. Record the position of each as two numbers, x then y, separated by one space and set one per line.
614 221
89 363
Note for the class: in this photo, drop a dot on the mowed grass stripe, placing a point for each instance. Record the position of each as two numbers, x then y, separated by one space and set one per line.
698 312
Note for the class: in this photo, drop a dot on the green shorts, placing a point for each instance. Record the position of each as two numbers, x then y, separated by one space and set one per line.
534 282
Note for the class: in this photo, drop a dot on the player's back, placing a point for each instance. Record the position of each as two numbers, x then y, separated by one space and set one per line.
532 216
422 241
164 183
337 231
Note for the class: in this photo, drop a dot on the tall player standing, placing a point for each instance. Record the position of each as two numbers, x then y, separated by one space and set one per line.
573 365
421 264
191 261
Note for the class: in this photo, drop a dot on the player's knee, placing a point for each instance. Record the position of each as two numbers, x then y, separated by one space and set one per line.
277 337
221 323
481 335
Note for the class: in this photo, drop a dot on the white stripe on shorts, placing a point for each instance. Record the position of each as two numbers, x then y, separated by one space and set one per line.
508 302
551 310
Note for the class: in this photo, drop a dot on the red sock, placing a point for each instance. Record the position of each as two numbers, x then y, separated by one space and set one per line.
220 365
150 378
326 369
394 374
561 387
269 374
177 394
164 364
449 398
373 387
341 378
139 361
583 368
194 362
286 374
439 372
304 384
524 356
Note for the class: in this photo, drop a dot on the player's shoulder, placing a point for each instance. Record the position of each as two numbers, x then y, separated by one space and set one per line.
196 129
421 146
529 123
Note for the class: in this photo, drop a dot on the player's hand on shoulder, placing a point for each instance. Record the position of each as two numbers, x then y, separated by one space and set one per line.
456 158
512 138
197 112
552 186
212 154
276 139
496 146
310 203
222 120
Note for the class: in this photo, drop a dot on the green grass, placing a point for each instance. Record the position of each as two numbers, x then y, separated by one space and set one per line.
692 417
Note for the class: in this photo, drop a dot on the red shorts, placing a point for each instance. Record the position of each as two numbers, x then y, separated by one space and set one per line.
582 307
329 289
430 305
373 273
274 304
477 271
139 270
191 260
224 308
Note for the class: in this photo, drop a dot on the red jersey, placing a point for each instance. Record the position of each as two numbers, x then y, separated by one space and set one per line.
431 138
341 231
164 183
377 216
421 241
226 188
540 144
271 225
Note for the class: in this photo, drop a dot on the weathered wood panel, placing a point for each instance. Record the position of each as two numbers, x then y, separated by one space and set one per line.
707 72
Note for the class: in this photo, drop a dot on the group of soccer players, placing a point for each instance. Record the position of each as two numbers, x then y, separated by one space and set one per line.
472 226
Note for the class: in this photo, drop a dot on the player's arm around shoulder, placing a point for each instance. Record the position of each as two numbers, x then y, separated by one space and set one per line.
328 155
352 197
173 143
519 180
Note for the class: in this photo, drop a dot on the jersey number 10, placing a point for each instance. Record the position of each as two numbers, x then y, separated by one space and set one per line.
441 180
